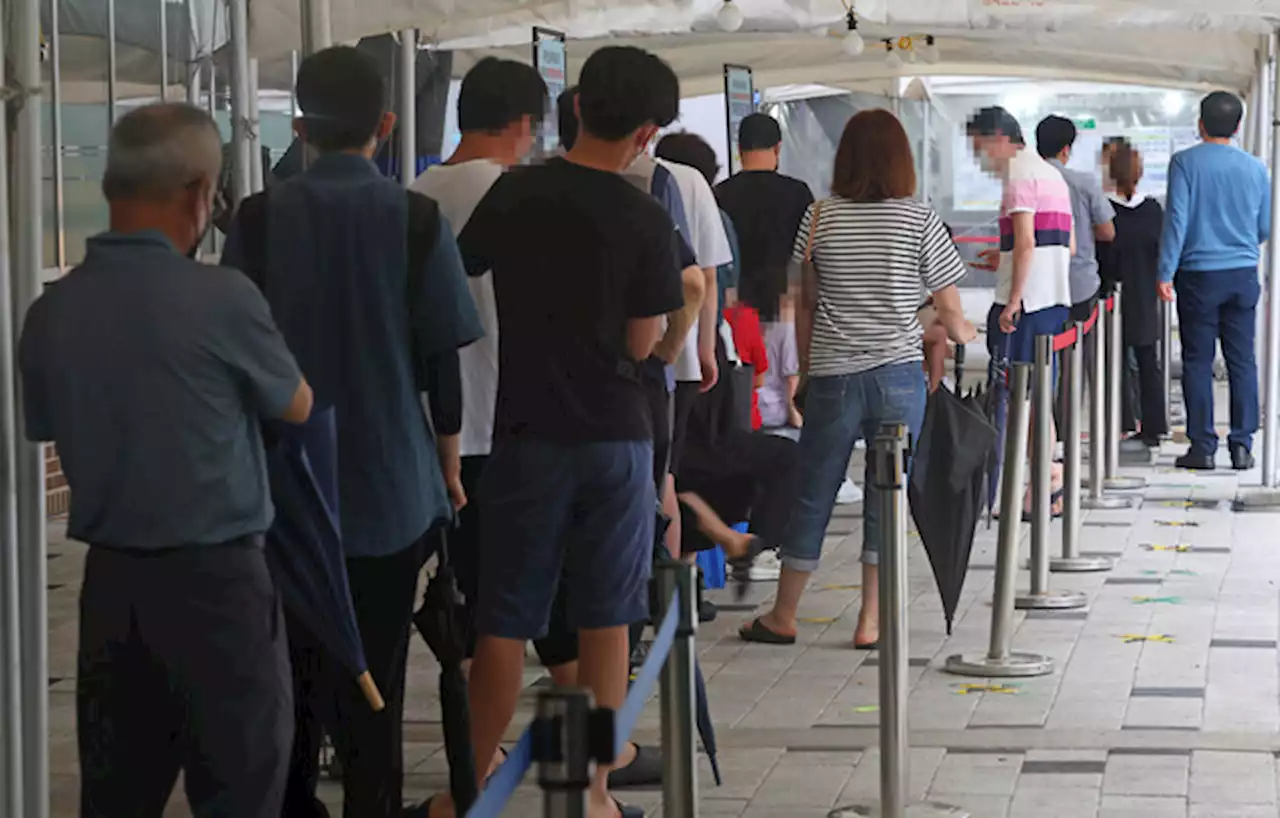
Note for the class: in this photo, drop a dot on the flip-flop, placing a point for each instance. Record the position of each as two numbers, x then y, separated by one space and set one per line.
645 770
741 567
867 645
1054 499
756 631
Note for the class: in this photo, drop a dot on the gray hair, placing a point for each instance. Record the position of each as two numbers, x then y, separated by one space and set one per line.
157 150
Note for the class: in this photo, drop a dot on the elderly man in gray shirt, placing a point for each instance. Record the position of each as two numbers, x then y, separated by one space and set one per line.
152 373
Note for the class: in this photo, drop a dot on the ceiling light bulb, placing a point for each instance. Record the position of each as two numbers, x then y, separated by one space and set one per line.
932 54
1173 103
853 44
730 17
893 60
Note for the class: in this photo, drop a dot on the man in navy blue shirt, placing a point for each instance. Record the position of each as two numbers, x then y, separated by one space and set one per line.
370 330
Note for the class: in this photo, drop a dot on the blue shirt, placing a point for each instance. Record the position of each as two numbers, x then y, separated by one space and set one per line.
337 282
1218 210
152 373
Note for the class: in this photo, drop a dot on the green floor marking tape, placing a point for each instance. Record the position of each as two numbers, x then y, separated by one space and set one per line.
993 687
1130 638
1157 600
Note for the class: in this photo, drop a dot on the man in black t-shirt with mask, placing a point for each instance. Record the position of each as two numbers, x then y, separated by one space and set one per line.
584 267
766 208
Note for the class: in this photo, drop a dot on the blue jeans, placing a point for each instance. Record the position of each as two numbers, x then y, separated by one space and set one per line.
1218 306
838 411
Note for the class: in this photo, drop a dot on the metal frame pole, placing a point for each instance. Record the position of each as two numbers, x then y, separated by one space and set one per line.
1166 361
241 140
1115 384
11 779
257 171
1000 660
1271 375
1073 377
59 160
28 245
317 26
407 85
293 84
563 751
1040 597
164 50
926 166
676 695
113 100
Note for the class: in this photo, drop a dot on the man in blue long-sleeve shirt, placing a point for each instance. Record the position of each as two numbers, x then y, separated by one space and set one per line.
1219 211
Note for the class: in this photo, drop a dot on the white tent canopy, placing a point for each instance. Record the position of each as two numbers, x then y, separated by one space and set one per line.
1185 43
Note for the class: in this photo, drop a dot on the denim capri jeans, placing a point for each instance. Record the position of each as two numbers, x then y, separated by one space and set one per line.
839 410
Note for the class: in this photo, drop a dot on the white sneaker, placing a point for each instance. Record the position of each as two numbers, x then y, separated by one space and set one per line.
849 493
767 567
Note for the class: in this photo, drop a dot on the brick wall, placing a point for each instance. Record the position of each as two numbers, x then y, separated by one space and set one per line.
57 494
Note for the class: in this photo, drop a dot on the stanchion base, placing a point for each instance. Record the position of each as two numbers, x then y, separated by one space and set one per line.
1080 565
1124 484
923 810
1014 666
1105 503
1051 601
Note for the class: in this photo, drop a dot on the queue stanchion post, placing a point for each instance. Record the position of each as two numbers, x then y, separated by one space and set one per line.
1000 660
1040 597
678 583
1097 498
1116 364
563 748
1071 561
889 455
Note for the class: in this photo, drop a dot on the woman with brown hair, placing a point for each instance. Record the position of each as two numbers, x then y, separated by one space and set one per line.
866 256
1132 259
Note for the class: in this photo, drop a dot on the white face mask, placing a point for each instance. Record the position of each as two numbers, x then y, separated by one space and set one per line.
988 164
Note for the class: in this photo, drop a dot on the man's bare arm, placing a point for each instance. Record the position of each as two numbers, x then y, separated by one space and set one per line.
300 407
680 322
642 336
708 320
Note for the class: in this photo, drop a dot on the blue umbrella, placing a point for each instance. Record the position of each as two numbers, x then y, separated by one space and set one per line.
304 544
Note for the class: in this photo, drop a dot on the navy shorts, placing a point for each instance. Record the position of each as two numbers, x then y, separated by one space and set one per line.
585 512
1021 345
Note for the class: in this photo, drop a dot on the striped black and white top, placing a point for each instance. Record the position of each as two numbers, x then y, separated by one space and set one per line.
876 263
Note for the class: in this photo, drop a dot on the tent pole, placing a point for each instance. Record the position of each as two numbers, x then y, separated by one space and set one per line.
55 105
10 659
256 169
1271 375
926 152
193 64
317 26
241 139
164 50
113 99
407 84
28 253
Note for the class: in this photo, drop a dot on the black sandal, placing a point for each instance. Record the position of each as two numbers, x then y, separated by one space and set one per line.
645 770
757 631
741 567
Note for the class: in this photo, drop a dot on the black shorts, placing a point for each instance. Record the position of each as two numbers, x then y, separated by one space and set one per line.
682 405
653 379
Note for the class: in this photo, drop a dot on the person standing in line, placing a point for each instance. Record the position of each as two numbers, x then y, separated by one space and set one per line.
1092 216
1133 259
367 284
1218 213
865 255
1037 240
584 268
152 373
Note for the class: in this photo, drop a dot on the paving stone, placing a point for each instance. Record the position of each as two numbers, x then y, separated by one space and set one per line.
1147 775
1125 806
1233 778
978 774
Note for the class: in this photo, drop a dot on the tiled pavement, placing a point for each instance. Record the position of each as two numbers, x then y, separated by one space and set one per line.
1164 703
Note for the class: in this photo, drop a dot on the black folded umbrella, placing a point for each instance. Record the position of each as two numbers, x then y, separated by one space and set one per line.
947 486
440 621
304 543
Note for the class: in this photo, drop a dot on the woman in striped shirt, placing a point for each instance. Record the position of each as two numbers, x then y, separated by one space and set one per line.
873 253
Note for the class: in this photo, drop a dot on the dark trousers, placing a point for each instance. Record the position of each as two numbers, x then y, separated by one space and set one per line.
182 666
1142 393
1218 306
369 745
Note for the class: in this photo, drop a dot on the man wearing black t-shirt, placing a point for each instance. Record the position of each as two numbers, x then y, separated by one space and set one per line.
584 267
766 208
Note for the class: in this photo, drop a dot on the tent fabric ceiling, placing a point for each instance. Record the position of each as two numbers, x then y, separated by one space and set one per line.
1187 43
